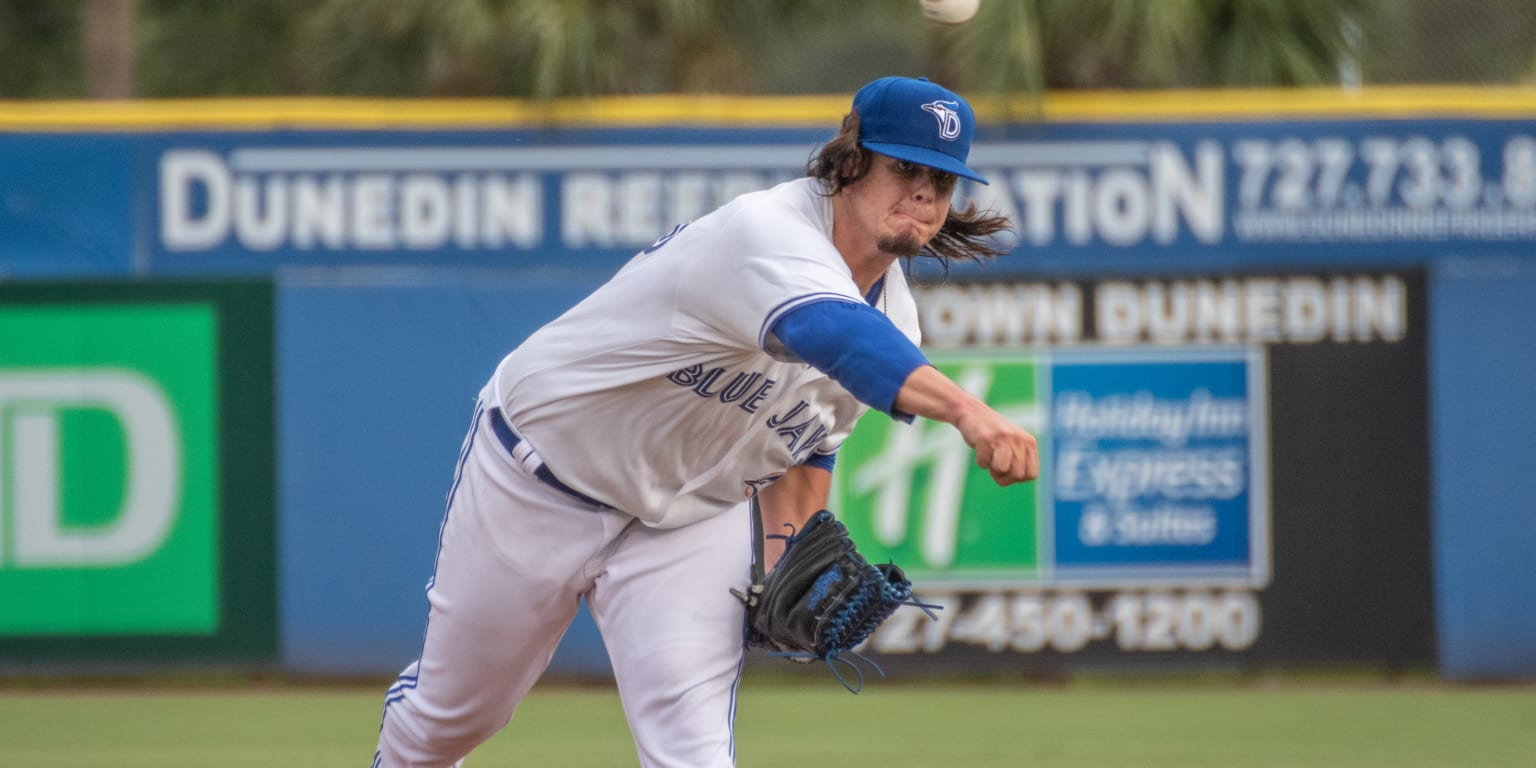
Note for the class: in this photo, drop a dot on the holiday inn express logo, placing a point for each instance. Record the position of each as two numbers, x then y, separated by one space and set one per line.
108 475
914 492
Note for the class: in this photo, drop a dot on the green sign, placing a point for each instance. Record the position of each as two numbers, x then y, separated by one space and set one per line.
108 470
913 493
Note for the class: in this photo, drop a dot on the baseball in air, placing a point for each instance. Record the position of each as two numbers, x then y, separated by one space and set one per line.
949 11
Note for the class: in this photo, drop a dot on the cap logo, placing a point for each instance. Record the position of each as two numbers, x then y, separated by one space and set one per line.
947 115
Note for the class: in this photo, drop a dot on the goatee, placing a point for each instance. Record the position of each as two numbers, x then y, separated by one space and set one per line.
899 245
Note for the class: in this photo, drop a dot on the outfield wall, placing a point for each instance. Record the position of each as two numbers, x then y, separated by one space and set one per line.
1272 354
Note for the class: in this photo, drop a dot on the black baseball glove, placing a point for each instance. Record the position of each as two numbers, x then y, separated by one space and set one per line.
822 599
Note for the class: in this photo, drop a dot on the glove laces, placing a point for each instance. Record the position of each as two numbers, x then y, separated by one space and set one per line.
836 662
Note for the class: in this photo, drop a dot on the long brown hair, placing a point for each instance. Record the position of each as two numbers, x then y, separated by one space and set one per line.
966 234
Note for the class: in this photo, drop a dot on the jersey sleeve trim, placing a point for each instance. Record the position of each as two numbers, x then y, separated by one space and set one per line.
765 333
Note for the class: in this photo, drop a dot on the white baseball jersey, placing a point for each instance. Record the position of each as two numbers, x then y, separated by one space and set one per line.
663 394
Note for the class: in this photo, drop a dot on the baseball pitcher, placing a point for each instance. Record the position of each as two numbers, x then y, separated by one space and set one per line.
620 452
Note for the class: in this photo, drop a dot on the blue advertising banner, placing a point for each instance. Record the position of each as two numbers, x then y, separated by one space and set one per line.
1161 466
1081 195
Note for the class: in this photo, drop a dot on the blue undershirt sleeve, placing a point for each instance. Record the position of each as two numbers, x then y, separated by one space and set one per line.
855 346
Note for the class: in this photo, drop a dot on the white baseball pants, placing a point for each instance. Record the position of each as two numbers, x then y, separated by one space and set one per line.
515 557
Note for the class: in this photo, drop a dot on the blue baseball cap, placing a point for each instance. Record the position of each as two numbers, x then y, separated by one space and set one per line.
918 121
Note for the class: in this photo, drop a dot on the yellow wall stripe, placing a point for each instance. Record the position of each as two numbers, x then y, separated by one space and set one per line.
751 111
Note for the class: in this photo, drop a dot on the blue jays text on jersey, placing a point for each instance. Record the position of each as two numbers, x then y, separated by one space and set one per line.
747 390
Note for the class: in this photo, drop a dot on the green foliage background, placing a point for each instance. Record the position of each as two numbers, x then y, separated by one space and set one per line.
542 48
